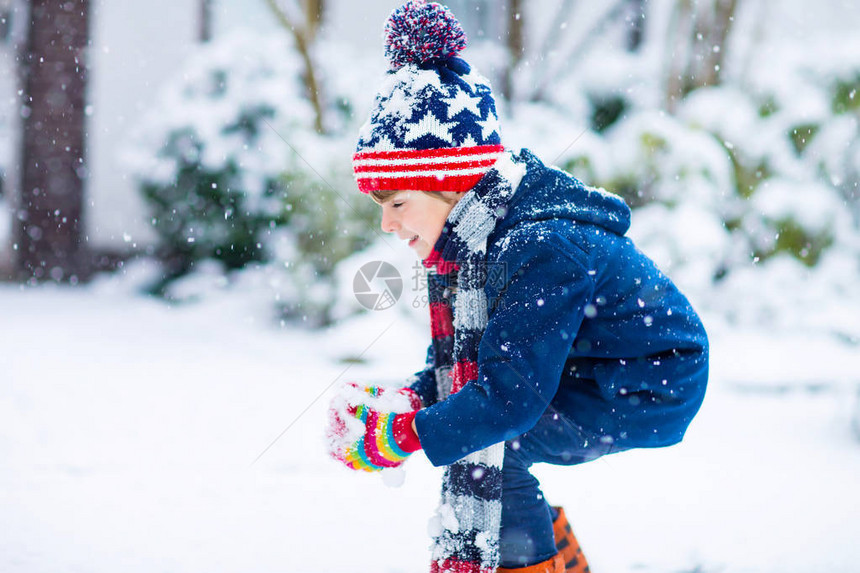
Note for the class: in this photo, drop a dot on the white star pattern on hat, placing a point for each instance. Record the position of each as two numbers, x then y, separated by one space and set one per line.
429 125
489 125
419 79
462 101
468 141
475 80
384 144
366 131
399 104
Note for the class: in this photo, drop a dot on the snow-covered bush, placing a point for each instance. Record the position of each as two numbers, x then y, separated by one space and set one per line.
678 178
834 149
742 192
736 157
815 104
776 204
208 155
232 170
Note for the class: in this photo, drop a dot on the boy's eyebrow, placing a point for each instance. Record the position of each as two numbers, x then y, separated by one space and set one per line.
391 197
383 201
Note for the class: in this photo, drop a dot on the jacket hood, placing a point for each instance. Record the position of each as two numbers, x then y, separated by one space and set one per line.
549 193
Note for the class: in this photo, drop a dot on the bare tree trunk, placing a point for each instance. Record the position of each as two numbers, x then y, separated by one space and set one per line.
314 10
541 64
311 83
636 16
755 40
204 33
681 29
547 75
5 34
303 40
715 50
50 223
552 37
515 46
701 37
5 22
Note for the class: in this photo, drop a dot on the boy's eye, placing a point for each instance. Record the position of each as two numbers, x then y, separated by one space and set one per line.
396 205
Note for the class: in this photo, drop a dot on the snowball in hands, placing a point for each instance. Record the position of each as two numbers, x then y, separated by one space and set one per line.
370 429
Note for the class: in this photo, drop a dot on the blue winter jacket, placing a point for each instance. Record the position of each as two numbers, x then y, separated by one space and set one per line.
580 320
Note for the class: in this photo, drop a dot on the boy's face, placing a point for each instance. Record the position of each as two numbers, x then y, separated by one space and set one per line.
416 217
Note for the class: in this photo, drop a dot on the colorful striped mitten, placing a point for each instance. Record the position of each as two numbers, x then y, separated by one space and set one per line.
370 429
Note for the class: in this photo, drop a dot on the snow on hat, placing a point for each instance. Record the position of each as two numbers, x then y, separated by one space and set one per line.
433 126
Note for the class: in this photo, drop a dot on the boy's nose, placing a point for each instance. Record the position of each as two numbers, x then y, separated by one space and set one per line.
389 224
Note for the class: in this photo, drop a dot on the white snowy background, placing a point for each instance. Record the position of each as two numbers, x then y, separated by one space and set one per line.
128 432
143 435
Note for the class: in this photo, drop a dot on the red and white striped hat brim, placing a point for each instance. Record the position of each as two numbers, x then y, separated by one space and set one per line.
455 169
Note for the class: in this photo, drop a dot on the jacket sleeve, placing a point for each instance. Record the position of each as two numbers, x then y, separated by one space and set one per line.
521 353
424 382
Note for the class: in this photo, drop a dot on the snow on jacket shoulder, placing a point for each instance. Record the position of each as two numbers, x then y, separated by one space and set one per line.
579 319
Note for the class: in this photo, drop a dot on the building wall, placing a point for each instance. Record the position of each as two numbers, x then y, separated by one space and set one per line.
136 48
12 12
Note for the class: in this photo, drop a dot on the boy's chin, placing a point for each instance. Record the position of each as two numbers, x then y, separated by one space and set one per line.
422 250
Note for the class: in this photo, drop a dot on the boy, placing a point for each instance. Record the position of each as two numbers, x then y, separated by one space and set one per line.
554 339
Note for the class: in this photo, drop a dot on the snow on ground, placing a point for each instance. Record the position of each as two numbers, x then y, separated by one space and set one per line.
129 428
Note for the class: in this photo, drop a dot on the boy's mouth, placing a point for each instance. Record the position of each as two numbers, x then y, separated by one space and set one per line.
413 240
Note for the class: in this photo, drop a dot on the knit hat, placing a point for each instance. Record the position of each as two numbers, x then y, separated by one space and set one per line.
433 126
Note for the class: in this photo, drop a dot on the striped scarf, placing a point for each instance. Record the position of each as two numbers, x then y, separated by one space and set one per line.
466 527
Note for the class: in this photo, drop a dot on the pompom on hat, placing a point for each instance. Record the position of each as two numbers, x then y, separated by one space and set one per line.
433 126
